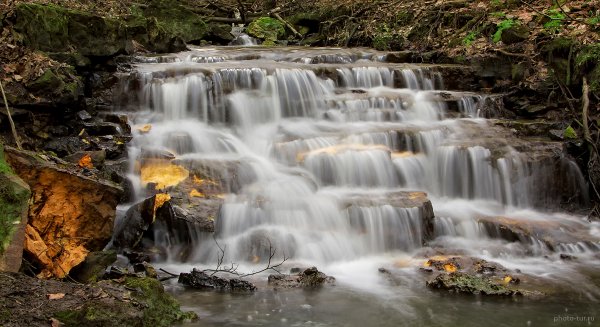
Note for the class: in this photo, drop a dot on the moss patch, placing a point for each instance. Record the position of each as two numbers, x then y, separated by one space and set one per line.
162 309
13 201
266 28
150 305
177 20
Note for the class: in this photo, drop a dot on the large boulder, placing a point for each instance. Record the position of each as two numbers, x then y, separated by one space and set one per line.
70 213
160 26
54 29
14 197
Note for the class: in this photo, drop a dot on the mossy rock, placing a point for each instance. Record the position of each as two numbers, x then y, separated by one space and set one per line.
176 20
150 306
161 308
458 282
53 28
14 197
58 85
587 63
266 28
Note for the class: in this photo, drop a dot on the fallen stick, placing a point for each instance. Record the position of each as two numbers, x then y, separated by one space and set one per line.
12 123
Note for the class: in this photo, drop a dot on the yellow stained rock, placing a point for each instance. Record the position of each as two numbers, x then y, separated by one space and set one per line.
450 267
196 194
144 129
160 199
163 174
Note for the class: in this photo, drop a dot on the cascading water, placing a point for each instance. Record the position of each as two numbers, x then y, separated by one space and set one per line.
330 149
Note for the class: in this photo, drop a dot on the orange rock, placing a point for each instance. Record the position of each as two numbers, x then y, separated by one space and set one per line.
69 216
86 162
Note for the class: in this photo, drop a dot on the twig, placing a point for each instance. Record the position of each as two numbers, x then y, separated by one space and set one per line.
12 123
171 275
510 54
296 33
537 11
168 273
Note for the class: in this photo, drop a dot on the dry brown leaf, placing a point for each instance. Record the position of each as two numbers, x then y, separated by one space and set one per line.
56 296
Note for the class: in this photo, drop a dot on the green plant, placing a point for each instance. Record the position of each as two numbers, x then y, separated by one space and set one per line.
498 14
569 133
556 20
503 25
469 39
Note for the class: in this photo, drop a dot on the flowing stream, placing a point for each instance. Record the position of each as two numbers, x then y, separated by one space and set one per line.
332 156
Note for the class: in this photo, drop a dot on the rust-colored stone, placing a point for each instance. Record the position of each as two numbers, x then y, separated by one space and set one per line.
69 216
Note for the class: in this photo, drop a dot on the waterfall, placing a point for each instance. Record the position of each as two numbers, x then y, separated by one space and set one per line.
325 154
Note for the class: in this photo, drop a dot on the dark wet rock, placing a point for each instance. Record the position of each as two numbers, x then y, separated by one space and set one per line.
145 268
309 278
399 56
102 128
201 280
84 115
554 235
567 257
64 146
93 267
97 157
458 282
137 220
156 221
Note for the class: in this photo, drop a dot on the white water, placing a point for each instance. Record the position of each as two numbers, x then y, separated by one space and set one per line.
319 130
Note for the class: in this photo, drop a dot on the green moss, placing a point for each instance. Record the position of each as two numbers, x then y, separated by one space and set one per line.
569 133
177 20
152 306
14 196
587 63
4 166
266 28
162 309
45 27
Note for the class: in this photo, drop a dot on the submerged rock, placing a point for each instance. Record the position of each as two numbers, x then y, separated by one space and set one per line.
458 282
309 278
201 280
70 215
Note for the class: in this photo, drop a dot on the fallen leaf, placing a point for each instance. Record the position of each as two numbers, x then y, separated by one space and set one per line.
55 322
18 78
56 296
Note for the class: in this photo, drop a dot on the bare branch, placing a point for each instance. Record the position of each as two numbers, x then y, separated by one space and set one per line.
12 123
